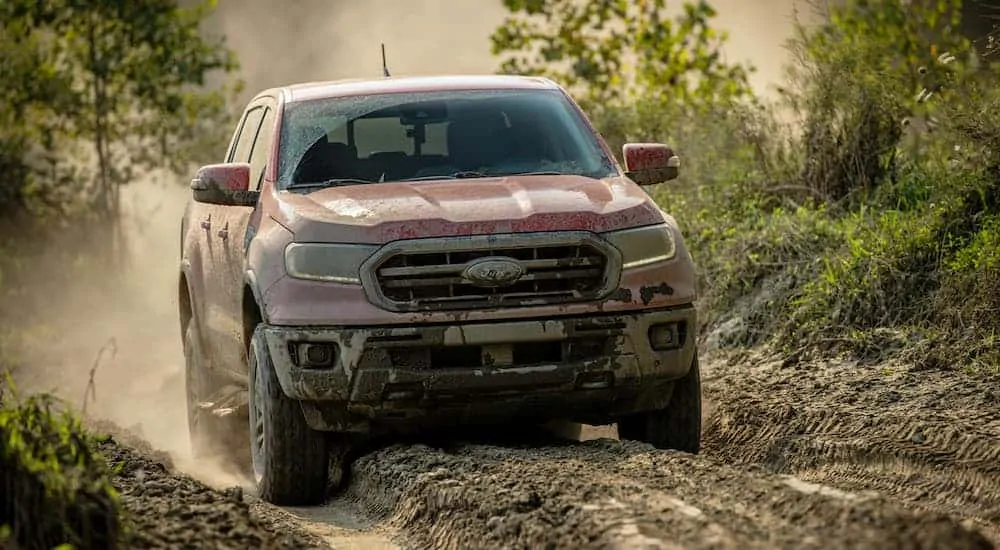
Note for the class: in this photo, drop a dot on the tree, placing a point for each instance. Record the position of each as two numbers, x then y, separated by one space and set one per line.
860 76
36 95
124 78
614 51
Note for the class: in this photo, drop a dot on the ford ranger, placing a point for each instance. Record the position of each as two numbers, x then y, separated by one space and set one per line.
381 257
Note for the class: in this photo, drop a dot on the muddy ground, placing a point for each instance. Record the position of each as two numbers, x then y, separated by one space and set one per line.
169 509
820 455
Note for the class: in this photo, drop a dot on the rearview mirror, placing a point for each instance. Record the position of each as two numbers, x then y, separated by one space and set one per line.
224 184
426 112
650 163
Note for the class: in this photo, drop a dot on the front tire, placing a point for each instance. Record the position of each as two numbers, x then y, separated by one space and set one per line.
678 425
290 459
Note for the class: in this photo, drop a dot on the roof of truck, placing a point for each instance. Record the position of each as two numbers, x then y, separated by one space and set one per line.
353 87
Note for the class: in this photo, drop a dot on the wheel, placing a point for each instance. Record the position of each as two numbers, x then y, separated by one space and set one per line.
678 426
209 434
290 459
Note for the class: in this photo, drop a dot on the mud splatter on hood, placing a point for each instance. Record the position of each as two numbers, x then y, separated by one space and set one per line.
382 212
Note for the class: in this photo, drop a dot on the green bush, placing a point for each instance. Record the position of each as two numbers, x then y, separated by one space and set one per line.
55 488
858 214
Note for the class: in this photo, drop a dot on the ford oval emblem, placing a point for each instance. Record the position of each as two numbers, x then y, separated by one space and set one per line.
495 271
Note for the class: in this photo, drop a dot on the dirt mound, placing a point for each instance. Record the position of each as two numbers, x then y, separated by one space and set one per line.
928 439
171 510
611 494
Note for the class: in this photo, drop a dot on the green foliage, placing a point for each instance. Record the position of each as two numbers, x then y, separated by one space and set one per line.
112 84
56 488
860 213
610 51
907 138
97 94
859 79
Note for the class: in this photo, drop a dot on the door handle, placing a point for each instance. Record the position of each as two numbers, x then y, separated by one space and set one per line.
224 232
206 224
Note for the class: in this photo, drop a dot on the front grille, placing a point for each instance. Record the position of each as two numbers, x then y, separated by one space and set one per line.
549 271
556 268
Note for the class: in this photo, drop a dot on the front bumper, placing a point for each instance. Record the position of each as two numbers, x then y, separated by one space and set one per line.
586 368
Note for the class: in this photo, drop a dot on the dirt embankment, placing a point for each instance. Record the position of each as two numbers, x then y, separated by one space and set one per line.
169 509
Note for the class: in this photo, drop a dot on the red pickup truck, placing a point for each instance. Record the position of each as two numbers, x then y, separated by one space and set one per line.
386 256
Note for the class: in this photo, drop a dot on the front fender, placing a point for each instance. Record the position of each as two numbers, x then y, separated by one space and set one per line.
266 261
250 281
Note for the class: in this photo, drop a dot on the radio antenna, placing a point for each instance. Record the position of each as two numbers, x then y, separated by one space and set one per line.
385 67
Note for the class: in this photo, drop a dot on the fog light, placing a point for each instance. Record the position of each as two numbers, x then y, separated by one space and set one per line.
316 355
665 336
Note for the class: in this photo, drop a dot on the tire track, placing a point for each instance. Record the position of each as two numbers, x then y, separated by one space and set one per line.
342 525
929 440
609 494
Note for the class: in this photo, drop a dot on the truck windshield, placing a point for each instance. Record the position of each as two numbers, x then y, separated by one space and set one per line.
435 135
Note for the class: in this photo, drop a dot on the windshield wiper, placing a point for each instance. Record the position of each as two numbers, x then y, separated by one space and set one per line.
477 174
470 174
328 183
452 176
542 173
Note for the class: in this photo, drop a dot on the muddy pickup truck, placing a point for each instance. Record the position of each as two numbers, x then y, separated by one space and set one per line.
383 257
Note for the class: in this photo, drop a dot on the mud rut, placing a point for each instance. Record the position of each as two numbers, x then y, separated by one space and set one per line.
825 455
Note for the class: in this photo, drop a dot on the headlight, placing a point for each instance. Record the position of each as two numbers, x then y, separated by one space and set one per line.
644 245
337 263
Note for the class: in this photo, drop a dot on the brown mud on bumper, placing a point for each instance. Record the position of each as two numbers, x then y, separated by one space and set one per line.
589 368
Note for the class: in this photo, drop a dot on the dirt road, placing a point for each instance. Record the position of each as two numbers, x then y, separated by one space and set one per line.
832 455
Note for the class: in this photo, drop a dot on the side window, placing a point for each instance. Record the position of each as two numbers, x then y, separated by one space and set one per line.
261 147
235 140
244 143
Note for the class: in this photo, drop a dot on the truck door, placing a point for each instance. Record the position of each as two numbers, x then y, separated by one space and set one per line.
220 232
231 245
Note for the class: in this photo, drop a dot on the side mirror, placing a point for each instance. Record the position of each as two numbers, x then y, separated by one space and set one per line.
650 163
225 184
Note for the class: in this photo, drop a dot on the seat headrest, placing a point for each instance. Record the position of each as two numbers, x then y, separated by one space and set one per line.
323 160
477 139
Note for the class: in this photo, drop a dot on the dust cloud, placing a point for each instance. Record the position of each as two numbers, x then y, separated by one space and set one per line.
141 385
109 341
311 40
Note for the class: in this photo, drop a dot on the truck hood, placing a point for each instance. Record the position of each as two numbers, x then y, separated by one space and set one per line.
383 212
